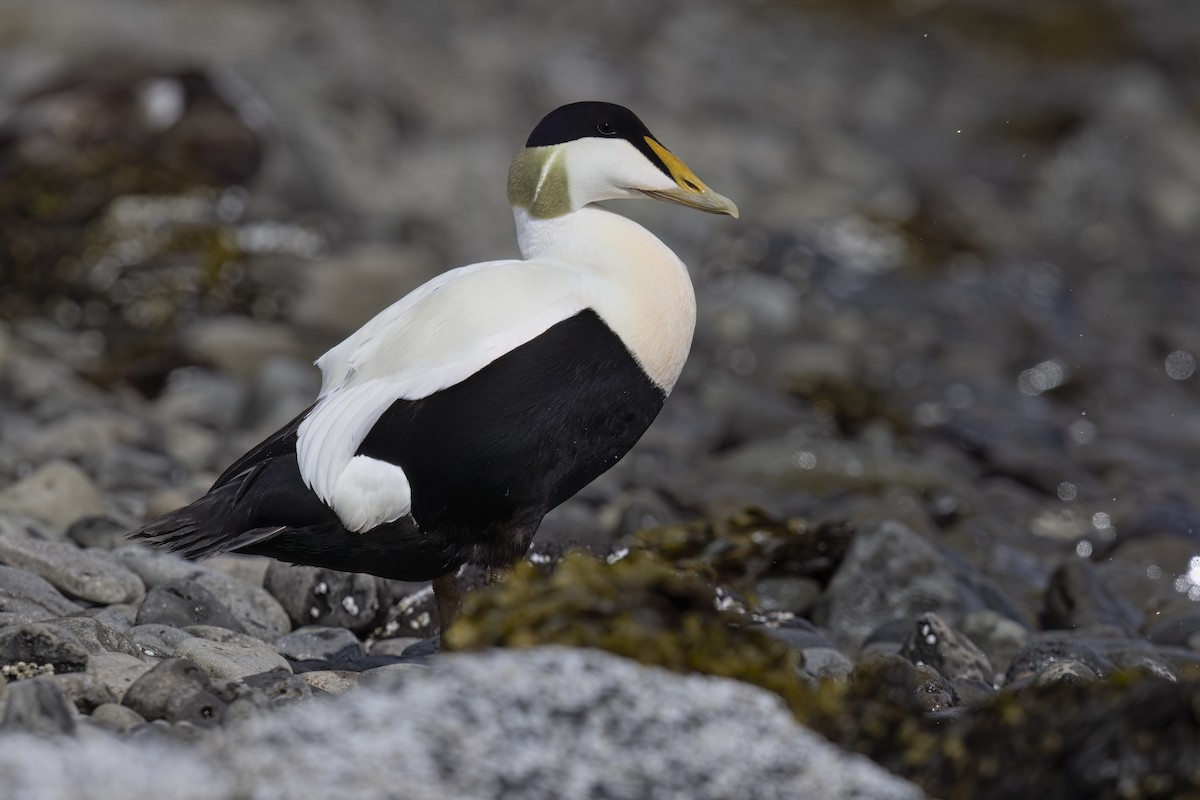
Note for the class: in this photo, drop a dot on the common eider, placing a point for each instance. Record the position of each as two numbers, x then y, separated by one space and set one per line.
452 422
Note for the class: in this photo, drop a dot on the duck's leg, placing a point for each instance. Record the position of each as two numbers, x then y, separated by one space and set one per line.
447 596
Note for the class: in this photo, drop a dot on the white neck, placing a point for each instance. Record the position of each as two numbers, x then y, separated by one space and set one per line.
644 293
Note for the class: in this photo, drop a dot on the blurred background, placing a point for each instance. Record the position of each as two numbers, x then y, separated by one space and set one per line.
962 293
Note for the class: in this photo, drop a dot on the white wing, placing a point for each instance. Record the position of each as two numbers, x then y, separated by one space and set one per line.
435 337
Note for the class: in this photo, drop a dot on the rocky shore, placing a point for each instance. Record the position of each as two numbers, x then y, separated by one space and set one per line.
921 518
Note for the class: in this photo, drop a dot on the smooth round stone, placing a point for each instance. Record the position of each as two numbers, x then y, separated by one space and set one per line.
116 717
26 598
57 493
96 637
320 643
118 616
99 532
95 578
334 681
1076 597
999 637
258 613
176 690
389 673
117 671
183 602
230 659
393 647
84 690
318 596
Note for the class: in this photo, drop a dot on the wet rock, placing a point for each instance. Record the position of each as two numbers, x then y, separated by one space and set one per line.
890 573
175 690
181 603
951 653
1077 598
59 493
25 598
1042 652
42 644
316 596
231 659
89 577
1175 629
37 706
1066 671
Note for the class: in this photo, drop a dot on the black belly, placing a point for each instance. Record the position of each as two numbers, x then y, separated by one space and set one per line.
488 457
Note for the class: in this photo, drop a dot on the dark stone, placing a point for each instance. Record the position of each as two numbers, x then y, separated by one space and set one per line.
951 653
176 691
181 603
37 706
1037 654
1078 598
99 532
42 643
319 643
318 596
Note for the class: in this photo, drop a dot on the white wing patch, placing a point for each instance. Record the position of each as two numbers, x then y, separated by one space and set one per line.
433 338
369 493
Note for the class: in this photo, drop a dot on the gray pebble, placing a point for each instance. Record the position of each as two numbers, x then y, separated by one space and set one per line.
825 663
25 598
156 640
116 717
182 603
257 612
231 659
392 647
99 532
57 493
388 674
118 616
38 706
83 689
333 681
96 637
175 690
90 577
117 671
889 572
318 642
317 596
278 685
42 644
999 637
153 566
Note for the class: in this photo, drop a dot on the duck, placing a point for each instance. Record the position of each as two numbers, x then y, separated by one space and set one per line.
451 423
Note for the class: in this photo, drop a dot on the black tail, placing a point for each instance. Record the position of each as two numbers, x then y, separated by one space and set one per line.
209 526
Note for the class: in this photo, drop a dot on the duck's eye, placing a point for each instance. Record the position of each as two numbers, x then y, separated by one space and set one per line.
606 129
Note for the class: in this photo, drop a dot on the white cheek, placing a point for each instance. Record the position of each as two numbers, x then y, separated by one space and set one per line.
608 169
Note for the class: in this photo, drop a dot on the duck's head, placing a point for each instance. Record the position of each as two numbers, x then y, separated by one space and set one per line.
587 152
